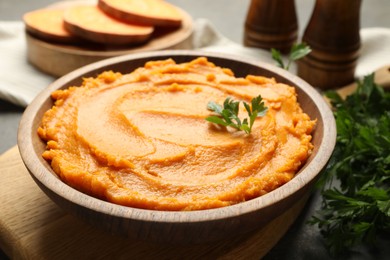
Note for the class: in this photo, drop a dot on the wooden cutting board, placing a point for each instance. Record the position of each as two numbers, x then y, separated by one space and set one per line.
33 227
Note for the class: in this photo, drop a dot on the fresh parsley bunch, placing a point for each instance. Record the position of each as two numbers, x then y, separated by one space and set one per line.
228 114
356 182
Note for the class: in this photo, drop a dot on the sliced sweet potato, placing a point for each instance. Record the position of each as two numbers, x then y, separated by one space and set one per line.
150 12
47 24
91 23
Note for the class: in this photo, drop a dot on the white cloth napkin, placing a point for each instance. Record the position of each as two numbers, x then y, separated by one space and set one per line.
20 82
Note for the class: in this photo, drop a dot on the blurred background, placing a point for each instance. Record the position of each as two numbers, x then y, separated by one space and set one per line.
222 13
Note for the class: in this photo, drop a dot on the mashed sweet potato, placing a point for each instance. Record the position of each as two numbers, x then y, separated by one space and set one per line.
141 139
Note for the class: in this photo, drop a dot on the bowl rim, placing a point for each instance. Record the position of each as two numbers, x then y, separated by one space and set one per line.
306 175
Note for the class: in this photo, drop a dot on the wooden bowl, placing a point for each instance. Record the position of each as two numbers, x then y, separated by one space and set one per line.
178 227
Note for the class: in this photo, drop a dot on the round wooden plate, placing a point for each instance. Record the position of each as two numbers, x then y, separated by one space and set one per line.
59 59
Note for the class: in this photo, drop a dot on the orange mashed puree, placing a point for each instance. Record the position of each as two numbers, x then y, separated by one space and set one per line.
141 139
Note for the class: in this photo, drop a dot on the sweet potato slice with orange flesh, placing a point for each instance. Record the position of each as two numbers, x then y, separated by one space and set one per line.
91 23
150 12
48 24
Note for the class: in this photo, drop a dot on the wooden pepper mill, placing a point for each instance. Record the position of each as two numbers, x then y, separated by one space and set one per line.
271 24
333 35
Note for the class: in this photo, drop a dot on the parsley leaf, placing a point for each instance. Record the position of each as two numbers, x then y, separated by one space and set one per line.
228 114
355 184
298 51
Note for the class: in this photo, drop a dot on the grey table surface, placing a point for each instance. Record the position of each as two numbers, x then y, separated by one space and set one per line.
228 16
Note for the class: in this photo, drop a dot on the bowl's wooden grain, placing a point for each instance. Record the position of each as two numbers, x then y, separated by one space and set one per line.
178 227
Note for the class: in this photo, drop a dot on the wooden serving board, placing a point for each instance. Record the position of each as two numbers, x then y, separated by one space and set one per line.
33 227
60 59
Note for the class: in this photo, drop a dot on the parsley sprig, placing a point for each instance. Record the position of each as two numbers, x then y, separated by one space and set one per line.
228 114
298 51
356 182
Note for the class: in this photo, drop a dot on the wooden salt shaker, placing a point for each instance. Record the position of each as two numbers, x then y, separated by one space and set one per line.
333 35
271 24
